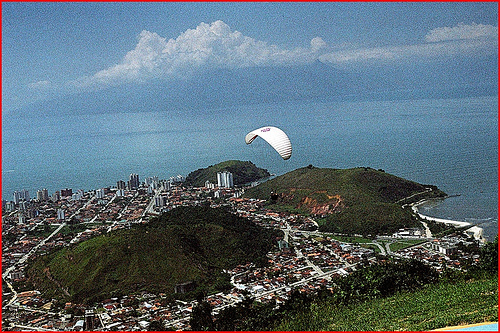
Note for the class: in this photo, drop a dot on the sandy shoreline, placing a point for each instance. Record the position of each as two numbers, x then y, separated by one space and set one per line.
475 230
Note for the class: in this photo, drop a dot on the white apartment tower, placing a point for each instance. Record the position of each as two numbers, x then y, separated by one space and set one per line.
121 185
56 197
60 214
225 179
21 195
42 195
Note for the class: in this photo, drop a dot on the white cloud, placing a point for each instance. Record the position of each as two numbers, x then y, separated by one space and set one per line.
216 45
317 43
462 40
39 85
462 31
212 45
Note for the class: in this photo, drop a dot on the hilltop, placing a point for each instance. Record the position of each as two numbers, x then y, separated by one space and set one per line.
243 173
359 200
185 245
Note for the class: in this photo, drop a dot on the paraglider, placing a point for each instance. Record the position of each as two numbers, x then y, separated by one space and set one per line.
275 137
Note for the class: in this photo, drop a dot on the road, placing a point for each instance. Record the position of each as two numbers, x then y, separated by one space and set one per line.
382 249
427 189
33 251
325 275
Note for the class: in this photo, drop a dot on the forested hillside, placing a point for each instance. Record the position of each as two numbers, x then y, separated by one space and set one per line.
187 244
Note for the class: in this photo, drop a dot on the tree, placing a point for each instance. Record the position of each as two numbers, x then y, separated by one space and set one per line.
489 257
156 326
385 280
201 317
247 315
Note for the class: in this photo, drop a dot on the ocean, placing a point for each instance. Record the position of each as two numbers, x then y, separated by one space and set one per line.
450 143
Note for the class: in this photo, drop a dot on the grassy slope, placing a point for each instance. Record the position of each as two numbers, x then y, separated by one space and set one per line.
356 185
369 197
441 305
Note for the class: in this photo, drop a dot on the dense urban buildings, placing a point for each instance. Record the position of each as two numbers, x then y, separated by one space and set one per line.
304 259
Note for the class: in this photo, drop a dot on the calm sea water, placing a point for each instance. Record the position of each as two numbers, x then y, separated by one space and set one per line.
451 143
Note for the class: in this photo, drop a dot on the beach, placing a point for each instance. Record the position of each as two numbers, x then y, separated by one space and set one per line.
475 231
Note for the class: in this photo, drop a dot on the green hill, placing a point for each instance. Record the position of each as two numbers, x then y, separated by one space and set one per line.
187 244
243 173
357 201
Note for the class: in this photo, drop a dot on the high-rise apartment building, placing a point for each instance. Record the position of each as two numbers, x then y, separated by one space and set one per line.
177 179
224 179
67 192
42 195
60 214
99 193
20 196
151 180
10 206
160 201
23 205
121 185
78 195
25 195
134 181
16 197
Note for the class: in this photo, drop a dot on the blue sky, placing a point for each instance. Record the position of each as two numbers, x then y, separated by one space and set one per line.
51 49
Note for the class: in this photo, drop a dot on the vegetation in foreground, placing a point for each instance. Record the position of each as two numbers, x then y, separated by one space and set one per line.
440 305
396 296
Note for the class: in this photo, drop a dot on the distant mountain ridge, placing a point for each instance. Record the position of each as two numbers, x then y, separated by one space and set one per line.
243 86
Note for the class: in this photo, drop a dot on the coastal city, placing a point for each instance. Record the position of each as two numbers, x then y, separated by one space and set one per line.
304 259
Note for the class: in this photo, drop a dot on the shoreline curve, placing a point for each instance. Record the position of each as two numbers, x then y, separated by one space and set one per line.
475 230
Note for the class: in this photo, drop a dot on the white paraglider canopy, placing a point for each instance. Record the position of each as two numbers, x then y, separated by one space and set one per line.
275 137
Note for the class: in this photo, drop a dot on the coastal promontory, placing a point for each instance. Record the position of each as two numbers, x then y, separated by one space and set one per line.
243 172
352 201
